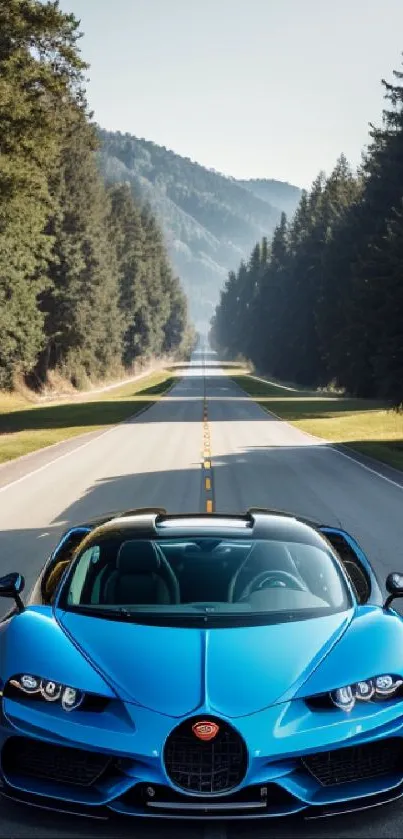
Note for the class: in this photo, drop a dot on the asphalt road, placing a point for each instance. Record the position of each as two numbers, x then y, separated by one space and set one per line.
162 458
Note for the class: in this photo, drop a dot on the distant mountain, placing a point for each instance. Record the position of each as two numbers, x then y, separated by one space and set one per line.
278 193
211 222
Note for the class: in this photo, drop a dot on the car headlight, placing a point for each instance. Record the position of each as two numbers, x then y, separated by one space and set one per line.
377 689
26 684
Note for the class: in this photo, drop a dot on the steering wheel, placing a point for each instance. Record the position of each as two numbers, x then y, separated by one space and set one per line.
283 577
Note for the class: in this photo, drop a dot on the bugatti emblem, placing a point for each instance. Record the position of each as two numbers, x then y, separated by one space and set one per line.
205 730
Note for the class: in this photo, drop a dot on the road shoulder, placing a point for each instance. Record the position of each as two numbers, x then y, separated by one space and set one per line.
377 467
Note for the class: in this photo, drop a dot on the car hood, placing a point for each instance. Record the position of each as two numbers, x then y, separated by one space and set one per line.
177 671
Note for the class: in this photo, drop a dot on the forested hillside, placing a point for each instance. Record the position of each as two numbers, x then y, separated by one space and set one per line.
323 300
277 193
210 221
85 281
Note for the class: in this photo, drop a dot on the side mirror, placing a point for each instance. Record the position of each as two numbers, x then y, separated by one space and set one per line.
394 585
11 586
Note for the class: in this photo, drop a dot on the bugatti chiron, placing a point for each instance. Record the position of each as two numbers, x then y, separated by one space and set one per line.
202 667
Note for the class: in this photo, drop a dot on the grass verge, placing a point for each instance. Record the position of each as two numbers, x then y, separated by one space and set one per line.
365 426
25 428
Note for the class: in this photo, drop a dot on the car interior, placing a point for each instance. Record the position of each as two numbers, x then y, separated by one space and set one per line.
245 575
215 559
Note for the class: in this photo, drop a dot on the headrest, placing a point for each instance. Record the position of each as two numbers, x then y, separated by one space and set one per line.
269 551
138 557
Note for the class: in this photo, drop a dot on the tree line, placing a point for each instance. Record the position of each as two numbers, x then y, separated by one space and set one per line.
322 302
86 286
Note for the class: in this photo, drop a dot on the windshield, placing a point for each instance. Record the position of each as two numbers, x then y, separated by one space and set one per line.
175 578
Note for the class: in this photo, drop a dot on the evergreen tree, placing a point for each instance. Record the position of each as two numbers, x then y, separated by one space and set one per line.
372 276
82 319
387 359
127 233
39 68
328 304
176 325
85 281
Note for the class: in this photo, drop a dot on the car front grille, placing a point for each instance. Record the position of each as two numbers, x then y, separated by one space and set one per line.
356 763
37 759
205 767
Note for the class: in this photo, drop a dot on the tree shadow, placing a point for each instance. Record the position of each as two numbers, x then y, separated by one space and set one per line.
81 414
113 411
189 388
189 366
154 390
303 408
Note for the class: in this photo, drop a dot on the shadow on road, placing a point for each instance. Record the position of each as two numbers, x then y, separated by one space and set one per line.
228 366
275 477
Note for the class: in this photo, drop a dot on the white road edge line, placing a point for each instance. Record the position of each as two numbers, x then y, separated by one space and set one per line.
73 451
77 448
324 444
351 458
275 384
32 454
364 466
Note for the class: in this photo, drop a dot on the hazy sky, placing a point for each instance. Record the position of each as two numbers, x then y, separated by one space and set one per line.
252 88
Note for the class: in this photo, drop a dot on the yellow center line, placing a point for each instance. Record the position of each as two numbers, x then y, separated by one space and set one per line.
208 485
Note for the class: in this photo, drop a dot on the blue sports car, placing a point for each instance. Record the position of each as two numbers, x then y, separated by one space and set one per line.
202 666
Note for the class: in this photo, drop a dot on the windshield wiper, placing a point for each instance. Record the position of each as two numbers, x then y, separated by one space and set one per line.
122 614
99 612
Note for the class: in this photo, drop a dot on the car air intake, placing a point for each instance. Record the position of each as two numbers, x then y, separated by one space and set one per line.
356 763
205 766
37 759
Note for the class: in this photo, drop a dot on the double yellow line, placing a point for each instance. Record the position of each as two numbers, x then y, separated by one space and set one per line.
206 460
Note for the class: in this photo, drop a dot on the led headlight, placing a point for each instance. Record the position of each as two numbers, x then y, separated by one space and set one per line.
343 698
50 690
379 688
27 683
386 685
69 698
365 690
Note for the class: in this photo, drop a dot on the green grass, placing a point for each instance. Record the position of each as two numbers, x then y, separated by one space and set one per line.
365 426
25 428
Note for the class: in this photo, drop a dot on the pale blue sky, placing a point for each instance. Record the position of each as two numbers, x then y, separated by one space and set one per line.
252 88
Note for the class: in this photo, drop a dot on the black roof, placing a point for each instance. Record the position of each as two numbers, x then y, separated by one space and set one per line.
256 523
